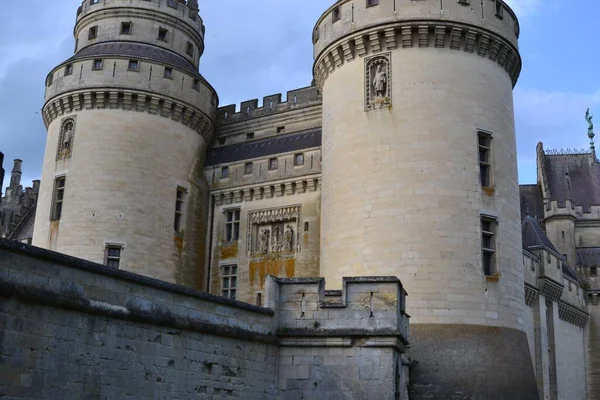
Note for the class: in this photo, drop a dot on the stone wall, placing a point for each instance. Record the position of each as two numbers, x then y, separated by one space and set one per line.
70 328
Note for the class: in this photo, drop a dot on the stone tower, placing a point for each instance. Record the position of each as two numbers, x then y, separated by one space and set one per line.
129 118
420 180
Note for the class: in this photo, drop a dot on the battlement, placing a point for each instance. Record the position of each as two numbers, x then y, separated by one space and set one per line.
364 304
299 98
347 17
556 209
186 11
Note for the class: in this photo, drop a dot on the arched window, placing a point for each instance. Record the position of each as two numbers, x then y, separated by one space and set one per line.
66 139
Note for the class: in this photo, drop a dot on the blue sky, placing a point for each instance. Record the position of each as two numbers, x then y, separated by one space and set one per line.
255 49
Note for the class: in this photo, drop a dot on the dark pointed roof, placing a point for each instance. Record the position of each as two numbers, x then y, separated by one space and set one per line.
264 147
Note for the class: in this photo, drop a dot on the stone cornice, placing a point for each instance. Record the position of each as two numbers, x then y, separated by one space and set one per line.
531 294
418 33
267 190
551 290
572 315
129 100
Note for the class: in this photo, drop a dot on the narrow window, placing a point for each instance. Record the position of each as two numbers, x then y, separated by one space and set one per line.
485 159
97 64
499 9
189 49
299 159
196 85
228 281
593 271
112 255
68 69
565 257
336 15
248 168
134 65
93 32
125 28
249 135
59 195
49 80
179 208
281 129
306 226
371 3
488 245
259 299
168 73
232 225
162 34
222 141
92 2
224 172
273 164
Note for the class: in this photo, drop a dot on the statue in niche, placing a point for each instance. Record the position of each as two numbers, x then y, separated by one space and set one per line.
264 241
276 239
68 136
65 143
380 81
288 239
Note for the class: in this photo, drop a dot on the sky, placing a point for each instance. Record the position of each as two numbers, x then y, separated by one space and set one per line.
258 48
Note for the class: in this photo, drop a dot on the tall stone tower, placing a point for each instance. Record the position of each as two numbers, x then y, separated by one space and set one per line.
129 118
420 180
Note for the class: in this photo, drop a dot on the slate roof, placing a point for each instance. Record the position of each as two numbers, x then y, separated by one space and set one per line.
534 235
531 202
138 51
588 257
573 177
264 147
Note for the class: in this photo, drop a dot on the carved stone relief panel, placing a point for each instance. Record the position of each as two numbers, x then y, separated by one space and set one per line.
378 82
66 138
274 233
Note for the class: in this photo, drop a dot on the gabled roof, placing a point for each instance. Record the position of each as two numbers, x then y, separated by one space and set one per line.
264 147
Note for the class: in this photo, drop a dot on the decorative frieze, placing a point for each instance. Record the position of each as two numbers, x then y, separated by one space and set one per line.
453 34
129 101
274 233
551 290
531 295
267 191
572 315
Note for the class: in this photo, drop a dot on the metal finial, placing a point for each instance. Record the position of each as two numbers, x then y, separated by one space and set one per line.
589 118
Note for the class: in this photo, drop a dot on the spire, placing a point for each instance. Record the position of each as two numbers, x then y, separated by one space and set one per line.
15 175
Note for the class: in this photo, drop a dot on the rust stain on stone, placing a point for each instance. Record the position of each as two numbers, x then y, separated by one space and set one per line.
279 268
229 250
178 240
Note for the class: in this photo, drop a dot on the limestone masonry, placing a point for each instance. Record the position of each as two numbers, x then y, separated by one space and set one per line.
397 167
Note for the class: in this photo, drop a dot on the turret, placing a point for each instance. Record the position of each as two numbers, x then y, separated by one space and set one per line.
129 118
15 175
420 178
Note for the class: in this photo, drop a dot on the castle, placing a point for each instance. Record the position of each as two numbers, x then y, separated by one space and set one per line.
399 162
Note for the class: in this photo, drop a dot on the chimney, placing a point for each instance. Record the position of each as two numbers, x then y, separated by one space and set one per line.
15 176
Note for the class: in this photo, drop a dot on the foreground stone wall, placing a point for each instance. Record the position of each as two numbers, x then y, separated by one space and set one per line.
73 329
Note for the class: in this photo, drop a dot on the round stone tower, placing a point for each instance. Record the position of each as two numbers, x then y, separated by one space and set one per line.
129 118
420 180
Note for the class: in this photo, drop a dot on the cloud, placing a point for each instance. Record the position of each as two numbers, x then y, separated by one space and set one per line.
554 118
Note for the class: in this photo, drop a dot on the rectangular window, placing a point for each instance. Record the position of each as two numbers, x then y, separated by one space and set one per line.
92 2
68 69
488 245
93 32
336 14
273 164
97 64
162 34
134 65
485 158
168 73
125 28
59 195
179 208
371 3
224 172
196 85
189 49
299 159
281 129
112 255
248 168
228 281
594 271
250 136
232 225
499 9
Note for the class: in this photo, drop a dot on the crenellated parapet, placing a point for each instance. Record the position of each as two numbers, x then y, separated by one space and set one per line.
556 209
352 29
272 105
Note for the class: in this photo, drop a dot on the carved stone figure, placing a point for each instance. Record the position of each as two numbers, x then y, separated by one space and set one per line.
288 239
67 136
590 120
264 241
380 81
